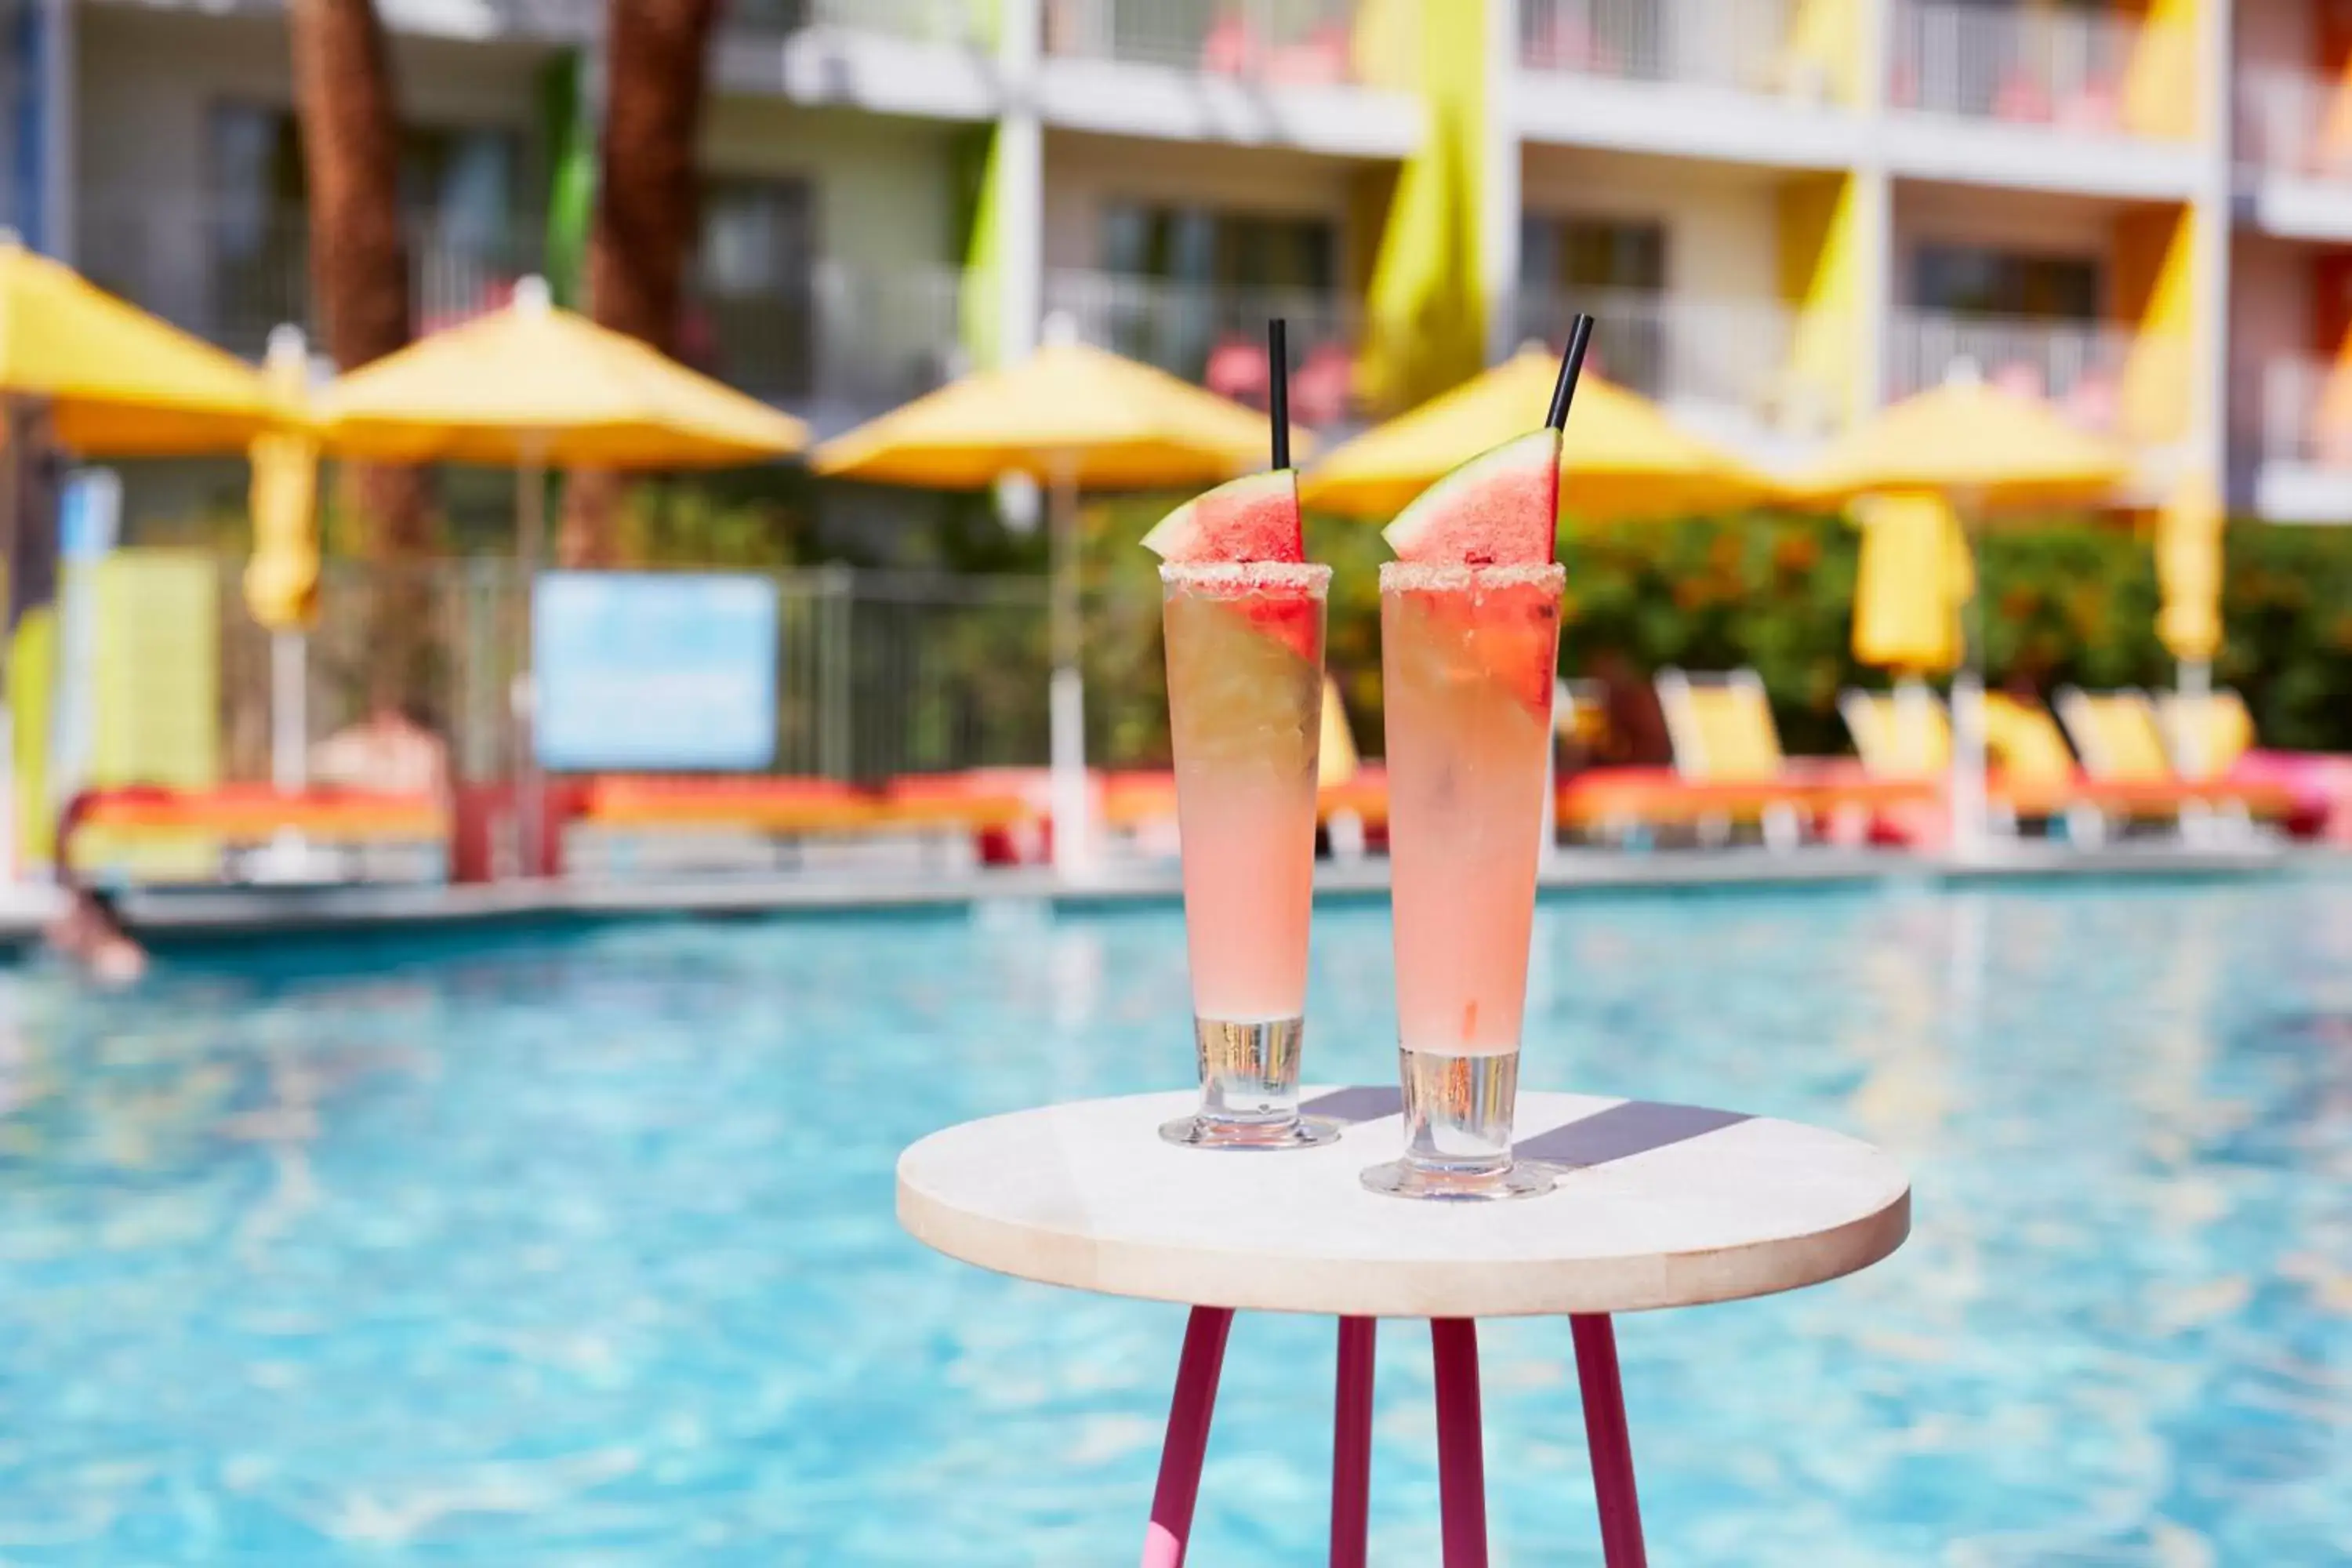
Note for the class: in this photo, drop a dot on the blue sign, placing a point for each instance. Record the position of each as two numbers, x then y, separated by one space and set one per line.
654 670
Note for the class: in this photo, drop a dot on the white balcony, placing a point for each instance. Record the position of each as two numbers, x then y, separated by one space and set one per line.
932 58
2294 153
1721 365
1216 337
2078 366
2042 91
835 340
1730 46
845 343
1285 72
230 272
1719 78
2303 444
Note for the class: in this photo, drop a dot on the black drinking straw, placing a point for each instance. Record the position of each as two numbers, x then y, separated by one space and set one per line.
1571 366
1278 364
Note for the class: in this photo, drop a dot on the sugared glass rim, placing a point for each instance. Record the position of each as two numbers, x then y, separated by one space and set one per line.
1438 576
1248 576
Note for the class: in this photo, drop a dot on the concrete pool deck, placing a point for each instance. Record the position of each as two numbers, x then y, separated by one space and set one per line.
197 914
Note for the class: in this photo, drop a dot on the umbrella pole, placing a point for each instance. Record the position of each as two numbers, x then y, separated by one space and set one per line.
289 718
1968 727
1066 695
530 528
2195 681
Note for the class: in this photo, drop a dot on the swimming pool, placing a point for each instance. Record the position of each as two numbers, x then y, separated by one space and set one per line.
575 1247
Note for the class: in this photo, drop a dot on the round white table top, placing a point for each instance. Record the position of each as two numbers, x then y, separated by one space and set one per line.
1664 1206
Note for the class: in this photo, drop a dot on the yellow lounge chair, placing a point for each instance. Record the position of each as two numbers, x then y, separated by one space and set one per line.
1898 734
2122 747
2210 749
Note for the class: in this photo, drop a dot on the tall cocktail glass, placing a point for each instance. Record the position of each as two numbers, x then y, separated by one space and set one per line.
1468 655
1245 703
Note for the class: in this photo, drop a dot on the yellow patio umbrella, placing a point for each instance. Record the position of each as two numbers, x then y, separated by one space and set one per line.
535 385
532 385
1626 458
118 382
1075 418
282 579
2189 529
1986 449
1979 450
1070 414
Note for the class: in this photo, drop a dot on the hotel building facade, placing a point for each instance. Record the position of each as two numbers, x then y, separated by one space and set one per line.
1784 212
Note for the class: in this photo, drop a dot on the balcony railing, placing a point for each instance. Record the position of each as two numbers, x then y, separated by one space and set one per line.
231 275
2306 412
2078 366
2291 122
1282 41
846 340
1738 46
956 22
1216 337
2062 67
1726 356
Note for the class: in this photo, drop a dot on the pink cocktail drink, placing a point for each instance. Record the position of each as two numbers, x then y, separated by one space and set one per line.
1244 700
1469 654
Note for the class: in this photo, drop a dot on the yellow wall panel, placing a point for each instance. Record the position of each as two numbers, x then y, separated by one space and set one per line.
1825 255
1424 313
2160 92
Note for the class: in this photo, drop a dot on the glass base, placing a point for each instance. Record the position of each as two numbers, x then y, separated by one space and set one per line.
1434 1183
1210 1133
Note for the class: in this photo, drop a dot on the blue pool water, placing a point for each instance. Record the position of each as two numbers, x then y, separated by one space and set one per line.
575 1247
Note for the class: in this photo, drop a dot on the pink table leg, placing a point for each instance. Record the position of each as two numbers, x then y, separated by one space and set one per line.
1461 1461
1188 1437
1351 1444
1606 1437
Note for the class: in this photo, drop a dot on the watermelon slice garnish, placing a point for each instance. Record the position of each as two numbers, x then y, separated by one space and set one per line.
1295 620
1252 519
1499 508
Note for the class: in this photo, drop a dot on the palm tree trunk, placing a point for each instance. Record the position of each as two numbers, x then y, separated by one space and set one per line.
647 201
359 276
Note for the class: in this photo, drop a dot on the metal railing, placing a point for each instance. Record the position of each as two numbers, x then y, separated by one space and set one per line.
1216 337
1739 45
878 675
1280 41
2043 66
961 23
2306 412
230 276
2293 123
958 22
845 340
2078 366
835 335
1729 354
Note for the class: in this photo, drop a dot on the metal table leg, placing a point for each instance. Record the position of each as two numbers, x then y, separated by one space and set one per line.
1188 1437
1606 1437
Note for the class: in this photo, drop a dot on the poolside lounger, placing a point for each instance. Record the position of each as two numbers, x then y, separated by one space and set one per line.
230 815
2208 749
1729 769
2123 753
1902 733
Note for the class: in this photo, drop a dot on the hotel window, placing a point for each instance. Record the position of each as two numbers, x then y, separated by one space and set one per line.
1969 281
752 319
459 191
1569 264
1185 280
